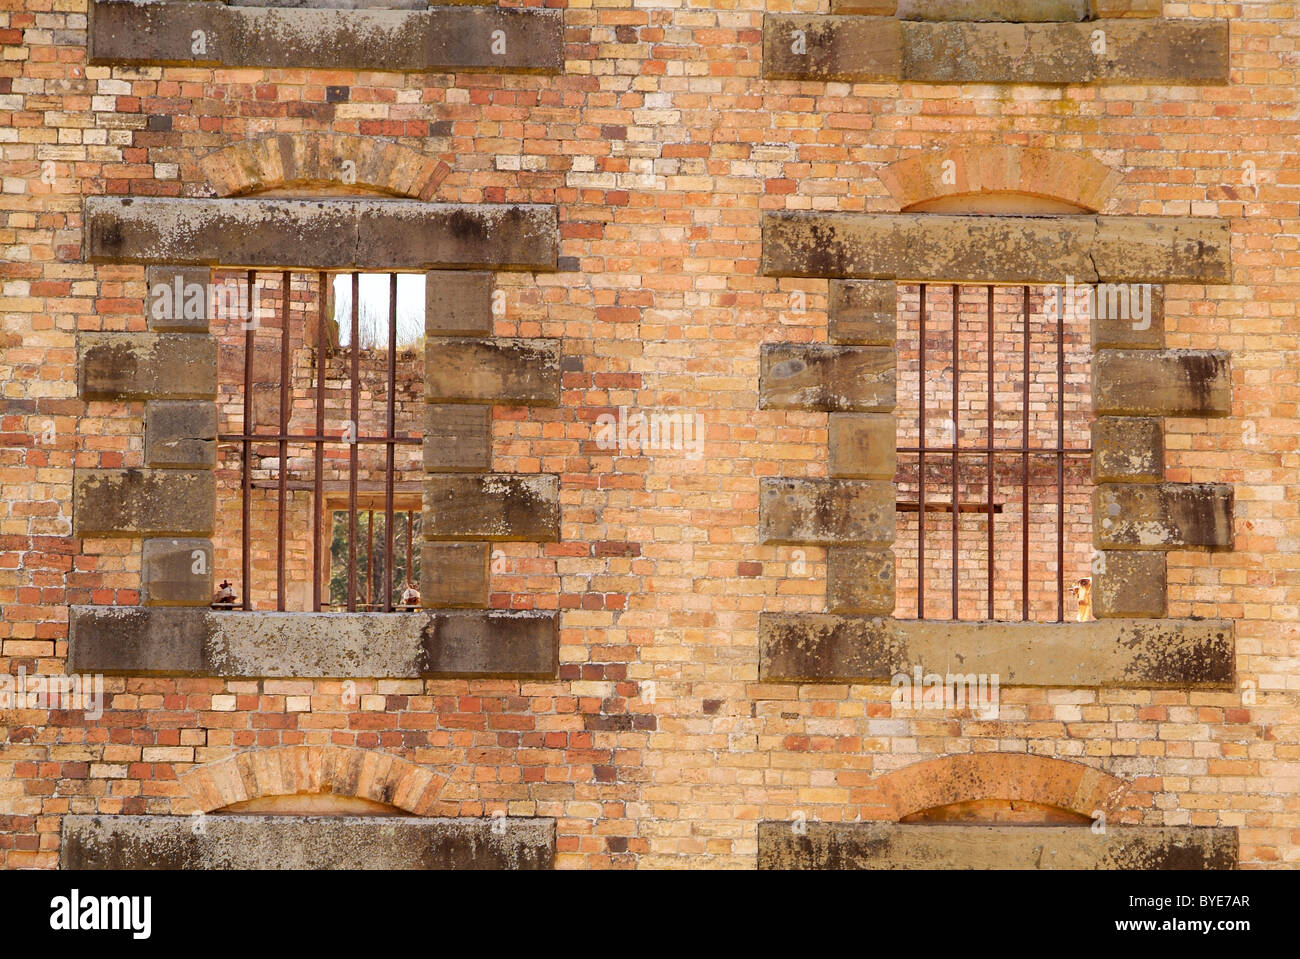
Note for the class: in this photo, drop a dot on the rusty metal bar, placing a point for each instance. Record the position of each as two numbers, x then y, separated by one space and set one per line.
920 469
956 443
318 478
988 573
392 449
246 511
370 558
355 413
1060 466
286 281
1024 467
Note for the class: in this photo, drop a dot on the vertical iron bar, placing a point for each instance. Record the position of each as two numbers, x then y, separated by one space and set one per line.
1060 465
1024 467
920 472
285 282
370 558
956 443
246 481
318 506
355 413
392 447
989 570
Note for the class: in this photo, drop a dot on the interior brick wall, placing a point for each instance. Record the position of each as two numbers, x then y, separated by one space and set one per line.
662 146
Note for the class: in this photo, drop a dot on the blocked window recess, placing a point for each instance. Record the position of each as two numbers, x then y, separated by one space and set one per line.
886 50
251 841
194 33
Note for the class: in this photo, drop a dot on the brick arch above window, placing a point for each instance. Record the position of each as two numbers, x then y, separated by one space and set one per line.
314 162
1067 181
294 770
1017 777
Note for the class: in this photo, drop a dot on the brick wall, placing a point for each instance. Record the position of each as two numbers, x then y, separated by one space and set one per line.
661 146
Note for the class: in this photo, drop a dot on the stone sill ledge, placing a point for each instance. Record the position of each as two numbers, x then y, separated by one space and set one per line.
487 39
951 846
1107 653
306 842
181 641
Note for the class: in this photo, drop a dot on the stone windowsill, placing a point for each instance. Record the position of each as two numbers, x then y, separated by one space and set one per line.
181 641
1134 653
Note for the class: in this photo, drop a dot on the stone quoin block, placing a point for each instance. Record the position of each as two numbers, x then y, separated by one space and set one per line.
1128 449
802 47
178 299
134 366
826 512
1162 516
500 507
863 312
1156 653
306 842
331 233
1130 583
872 845
143 502
1011 249
455 574
180 433
457 438
863 50
1161 383
819 377
512 372
864 445
488 39
497 644
458 303
860 581
137 640
176 572
1127 316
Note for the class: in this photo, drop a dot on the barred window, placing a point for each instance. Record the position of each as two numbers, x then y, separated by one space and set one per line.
994 457
320 417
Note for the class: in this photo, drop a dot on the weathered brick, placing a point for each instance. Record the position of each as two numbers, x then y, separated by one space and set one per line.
1162 516
1161 383
136 502
132 366
818 377
826 512
512 372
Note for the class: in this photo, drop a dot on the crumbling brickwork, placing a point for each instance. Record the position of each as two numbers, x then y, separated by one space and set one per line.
670 210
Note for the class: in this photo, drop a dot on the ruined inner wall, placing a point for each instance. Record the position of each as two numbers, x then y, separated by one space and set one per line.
662 146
